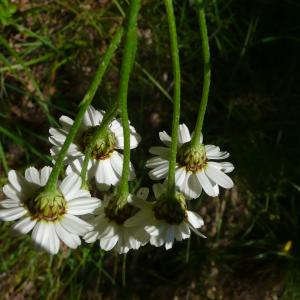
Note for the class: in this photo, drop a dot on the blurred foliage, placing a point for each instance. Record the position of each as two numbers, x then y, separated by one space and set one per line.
49 51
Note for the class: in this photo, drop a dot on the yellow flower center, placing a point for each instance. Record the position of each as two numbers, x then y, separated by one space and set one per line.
46 207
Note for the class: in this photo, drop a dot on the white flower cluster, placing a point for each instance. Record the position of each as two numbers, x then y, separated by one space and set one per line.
73 213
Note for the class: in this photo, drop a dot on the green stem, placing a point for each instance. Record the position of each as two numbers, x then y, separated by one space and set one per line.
124 270
206 74
98 134
3 159
51 184
176 96
126 67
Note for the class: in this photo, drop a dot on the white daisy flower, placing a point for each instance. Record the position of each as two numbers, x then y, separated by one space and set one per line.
165 220
195 166
109 226
51 221
106 162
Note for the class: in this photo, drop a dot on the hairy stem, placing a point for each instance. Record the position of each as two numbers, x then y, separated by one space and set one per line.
126 67
176 96
52 181
206 74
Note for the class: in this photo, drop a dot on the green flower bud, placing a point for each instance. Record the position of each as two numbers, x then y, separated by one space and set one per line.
104 146
171 209
119 213
45 206
193 158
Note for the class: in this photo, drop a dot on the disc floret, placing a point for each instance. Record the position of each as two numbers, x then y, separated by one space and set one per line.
104 146
193 158
45 206
171 209
119 212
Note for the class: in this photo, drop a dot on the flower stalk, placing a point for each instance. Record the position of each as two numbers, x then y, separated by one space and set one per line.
126 67
206 73
176 95
52 181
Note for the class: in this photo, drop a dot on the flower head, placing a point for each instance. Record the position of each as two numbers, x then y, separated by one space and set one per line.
167 219
51 217
109 226
195 165
106 162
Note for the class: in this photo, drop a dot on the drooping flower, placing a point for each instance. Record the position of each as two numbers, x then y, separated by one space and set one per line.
195 165
50 217
106 162
109 226
166 219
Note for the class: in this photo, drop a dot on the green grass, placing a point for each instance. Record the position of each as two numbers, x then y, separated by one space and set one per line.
49 53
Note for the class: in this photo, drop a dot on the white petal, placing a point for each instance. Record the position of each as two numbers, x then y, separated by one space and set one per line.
75 166
131 172
82 206
66 122
71 240
134 138
11 193
182 232
206 184
197 232
139 202
152 230
91 236
160 151
159 172
225 166
156 241
111 230
16 180
45 236
170 236
195 187
70 186
183 134
108 243
194 219
105 175
165 138
139 219
180 174
155 162
92 117
10 203
212 149
184 188
158 189
142 236
143 193
45 173
213 152
219 177
116 127
11 214
75 225
25 225
32 175
82 194
57 136
117 162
